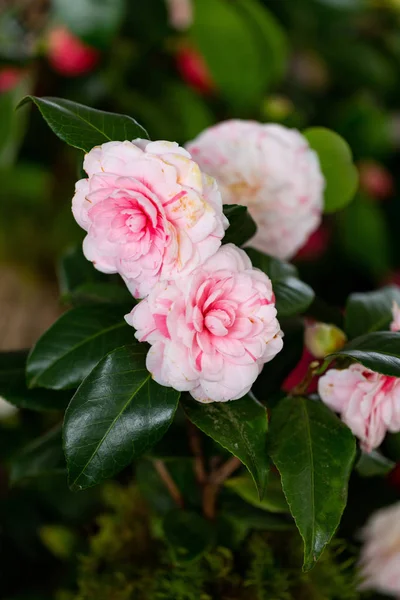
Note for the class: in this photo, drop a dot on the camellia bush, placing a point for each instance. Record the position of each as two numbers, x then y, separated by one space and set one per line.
177 354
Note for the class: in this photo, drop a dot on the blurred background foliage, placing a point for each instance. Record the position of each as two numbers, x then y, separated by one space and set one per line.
302 63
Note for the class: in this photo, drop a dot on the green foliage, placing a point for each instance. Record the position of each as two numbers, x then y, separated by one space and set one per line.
241 225
240 427
314 453
69 349
378 351
293 296
273 500
335 157
83 127
117 414
370 311
188 535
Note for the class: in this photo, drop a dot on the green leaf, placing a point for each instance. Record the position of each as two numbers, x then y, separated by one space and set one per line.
75 270
370 311
378 351
68 351
101 293
116 415
12 126
241 427
314 453
93 21
231 51
293 296
13 385
43 457
335 157
241 225
273 500
374 464
188 534
83 127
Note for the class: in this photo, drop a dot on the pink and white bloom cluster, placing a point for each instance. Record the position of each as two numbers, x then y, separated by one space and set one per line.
273 171
210 333
149 212
368 402
380 554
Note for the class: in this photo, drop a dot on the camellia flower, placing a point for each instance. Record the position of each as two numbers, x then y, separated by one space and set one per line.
380 554
211 332
9 78
149 211
194 70
180 13
272 170
368 402
395 324
68 55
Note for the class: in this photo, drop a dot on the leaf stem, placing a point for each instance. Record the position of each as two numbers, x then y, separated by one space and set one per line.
170 484
196 448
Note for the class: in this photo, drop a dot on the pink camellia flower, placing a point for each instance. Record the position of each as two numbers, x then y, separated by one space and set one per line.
375 179
211 332
149 211
180 13
272 170
395 324
68 55
380 554
9 78
368 402
194 70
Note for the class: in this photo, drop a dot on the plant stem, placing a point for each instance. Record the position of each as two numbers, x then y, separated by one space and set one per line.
212 488
196 448
169 482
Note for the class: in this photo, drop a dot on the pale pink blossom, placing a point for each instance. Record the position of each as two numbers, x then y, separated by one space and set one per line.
210 332
395 324
272 170
149 212
380 554
180 13
368 402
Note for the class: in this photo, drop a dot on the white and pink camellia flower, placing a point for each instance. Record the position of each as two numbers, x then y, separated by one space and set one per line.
380 554
272 170
210 332
368 402
149 212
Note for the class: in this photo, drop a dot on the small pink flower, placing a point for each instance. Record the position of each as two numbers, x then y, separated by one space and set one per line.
180 13
375 179
395 324
211 332
368 402
270 169
194 70
68 55
380 554
149 212
9 78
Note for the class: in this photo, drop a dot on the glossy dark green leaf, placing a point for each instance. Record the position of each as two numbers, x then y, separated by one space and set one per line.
314 453
374 464
69 350
188 534
370 311
101 293
116 415
293 296
14 389
335 157
84 127
75 270
253 518
241 226
43 457
93 21
241 427
273 500
378 351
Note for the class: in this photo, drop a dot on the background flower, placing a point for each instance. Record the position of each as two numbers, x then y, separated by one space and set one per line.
210 332
149 212
368 402
270 169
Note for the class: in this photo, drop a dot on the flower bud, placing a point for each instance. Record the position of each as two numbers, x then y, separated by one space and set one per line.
68 55
9 78
194 70
322 339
